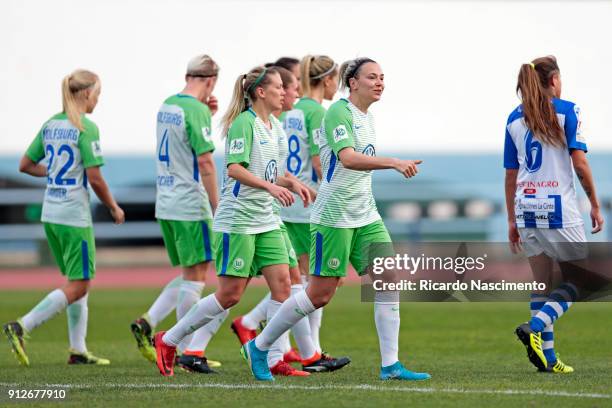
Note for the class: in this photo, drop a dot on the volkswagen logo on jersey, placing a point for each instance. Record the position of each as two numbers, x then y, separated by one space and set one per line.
533 153
271 171
369 150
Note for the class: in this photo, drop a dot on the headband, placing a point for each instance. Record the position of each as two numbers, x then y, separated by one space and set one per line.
324 74
358 65
258 80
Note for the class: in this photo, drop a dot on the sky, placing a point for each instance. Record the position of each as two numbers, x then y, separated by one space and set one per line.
450 67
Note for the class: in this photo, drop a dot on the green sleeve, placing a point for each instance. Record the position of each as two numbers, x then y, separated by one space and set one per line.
198 126
240 141
36 151
89 145
313 126
338 124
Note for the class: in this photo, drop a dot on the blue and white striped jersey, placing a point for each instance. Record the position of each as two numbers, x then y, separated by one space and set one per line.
545 190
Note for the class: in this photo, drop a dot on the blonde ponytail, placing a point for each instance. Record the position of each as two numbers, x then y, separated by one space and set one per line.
74 95
238 104
244 93
313 68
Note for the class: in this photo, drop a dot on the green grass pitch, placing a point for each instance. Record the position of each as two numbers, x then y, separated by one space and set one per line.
469 348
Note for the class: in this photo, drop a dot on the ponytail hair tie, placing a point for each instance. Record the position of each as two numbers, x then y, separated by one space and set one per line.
532 65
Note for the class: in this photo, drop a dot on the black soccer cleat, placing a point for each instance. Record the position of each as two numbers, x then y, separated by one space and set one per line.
15 333
326 363
533 344
141 329
195 364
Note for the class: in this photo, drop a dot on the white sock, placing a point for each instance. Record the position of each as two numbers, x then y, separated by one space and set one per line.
314 320
277 348
301 331
77 323
291 311
387 319
200 314
202 336
51 305
189 294
257 315
165 302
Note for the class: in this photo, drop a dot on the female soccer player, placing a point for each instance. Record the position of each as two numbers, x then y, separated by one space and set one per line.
292 65
319 81
186 200
244 326
249 240
344 218
543 143
70 143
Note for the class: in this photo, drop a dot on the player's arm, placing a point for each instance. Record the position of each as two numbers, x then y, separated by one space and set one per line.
316 165
239 173
99 186
577 147
353 160
27 166
583 171
89 146
198 126
208 173
511 164
338 125
292 183
30 162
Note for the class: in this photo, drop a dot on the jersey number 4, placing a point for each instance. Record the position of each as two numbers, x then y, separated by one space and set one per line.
162 153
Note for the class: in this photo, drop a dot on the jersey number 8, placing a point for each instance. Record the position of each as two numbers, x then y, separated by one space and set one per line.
293 157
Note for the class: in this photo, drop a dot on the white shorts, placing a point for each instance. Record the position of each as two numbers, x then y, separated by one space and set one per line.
562 245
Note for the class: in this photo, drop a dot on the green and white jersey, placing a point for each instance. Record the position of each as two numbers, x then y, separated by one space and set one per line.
303 128
68 152
183 133
345 198
243 209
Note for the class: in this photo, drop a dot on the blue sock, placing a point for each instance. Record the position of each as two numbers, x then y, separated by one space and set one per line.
559 301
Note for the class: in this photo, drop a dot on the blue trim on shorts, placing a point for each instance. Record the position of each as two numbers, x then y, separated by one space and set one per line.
236 189
318 253
85 259
225 253
206 238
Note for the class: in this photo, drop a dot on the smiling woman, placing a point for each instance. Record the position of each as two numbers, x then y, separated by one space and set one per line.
344 222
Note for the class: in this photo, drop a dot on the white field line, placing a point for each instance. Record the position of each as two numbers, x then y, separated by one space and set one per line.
359 387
